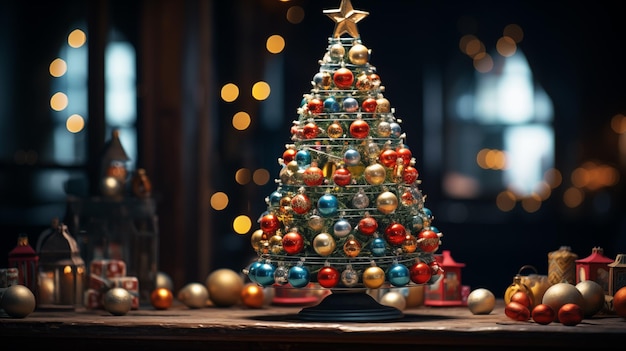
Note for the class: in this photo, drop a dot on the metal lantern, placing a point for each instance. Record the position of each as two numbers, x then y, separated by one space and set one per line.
61 272
447 290
25 259
114 172
594 267
617 274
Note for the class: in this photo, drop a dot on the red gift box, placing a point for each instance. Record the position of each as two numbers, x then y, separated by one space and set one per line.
107 268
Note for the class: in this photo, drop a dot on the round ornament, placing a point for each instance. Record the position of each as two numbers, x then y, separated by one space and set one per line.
251 271
343 78
351 157
398 275
378 247
388 157
375 79
481 301
369 105
373 277
327 205
342 176
350 104
409 175
160 298
393 299
118 301
358 54
395 233
409 245
334 130
405 154
289 155
280 275
331 105
163 280
328 277
367 225
224 287
420 272
359 129
543 314
375 174
276 244
313 176
560 294
252 295
383 128
428 240
570 314
516 311
324 244
363 82
342 228
593 293
293 242
352 247
523 298
264 274
360 200
316 106
301 203
349 277
193 295
337 51
316 223
269 223
303 159
382 104
396 130
18 301
298 276
387 202
619 302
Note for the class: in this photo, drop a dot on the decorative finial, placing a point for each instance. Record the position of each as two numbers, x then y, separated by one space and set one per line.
346 18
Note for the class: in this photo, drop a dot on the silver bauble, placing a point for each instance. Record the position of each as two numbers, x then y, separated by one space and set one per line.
594 297
560 294
164 281
117 301
194 295
394 299
481 301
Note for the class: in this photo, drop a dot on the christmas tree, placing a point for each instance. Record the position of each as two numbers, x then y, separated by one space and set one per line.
348 212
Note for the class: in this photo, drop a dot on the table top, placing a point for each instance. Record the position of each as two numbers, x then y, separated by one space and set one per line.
282 328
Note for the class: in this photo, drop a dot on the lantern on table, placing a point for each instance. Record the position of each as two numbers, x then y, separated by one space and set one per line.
617 274
61 272
447 289
25 259
114 171
594 267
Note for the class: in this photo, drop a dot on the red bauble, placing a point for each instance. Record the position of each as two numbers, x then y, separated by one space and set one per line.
516 311
428 240
369 105
388 158
269 223
407 198
328 277
315 106
300 204
293 242
343 78
409 175
289 155
313 176
543 314
420 272
395 233
368 225
342 176
405 154
359 129
310 130
570 314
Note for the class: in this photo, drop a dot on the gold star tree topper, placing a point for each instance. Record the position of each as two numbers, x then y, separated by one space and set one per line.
346 18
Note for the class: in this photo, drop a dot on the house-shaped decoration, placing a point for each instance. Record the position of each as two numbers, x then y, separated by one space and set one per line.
617 274
447 289
594 267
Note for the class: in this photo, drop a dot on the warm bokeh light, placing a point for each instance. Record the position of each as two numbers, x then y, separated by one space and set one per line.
618 124
261 90
243 176
58 67
531 203
219 201
242 224
75 123
229 92
76 38
543 190
505 201
261 176
553 177
506 46
573 197
514 32
471 46
295 14
593 176
59 101
491 159
275 44
241 120
483 62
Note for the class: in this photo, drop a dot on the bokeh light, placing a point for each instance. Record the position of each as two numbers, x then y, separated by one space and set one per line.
219 201
229 92
261 90
75 123
241 120
76 38
242 224
59 101
58 67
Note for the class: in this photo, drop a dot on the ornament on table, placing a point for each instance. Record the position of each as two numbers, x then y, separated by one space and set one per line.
447 289
25 259
617 274
593 293
117 301
62 272
619 302
560 294
562 266
161 298
594 267
394 299
570 314
481 301
17 301
253 295
114 171
534 285
163 280
224 286
543 314
193 295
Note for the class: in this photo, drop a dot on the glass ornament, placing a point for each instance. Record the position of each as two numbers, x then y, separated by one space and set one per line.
395 233
274 199
316 223
420 272
369 105
310 130
378 247
300 204
251 270
313 176
350 104
363 82
360 200
342 176
269 223
367 225
409 244
352 247
324 244
359 129
418 223
343 78
398 275
316 106
388 157
328 277
329 169
409 175
334 130
358 54
396 130
349 277
264 274
327 205
382 104
428 240
387 202
276 244
375 174
303 159
383 129
372 151
336 52
373 277
342 228
331 105
293 242
280 275
351 157
298 276
375 80
405 154
255 239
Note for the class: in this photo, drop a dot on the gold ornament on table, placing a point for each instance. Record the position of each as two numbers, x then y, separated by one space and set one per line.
560 294
161 298
394 299
18 301
193 295
224 286
481 301
117 301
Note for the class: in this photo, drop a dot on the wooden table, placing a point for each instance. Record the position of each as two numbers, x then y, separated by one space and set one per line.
281 328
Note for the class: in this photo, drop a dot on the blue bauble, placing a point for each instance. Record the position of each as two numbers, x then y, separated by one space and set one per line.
418 223
342 228
398 275
396 130
318 78
298 276
274 199
327 205
303 159
264 274
378 247
350 104
428 213
351 157
252 270
331 105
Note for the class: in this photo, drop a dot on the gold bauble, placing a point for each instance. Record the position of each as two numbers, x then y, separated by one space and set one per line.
224 287
383 106
293 166
481 301
394 299
416 296
337 51
255 239
161 298
324 244
252 295
593 293
560 294
387 202
358 54
163 280
316 223
352 247
373 277
193 295
117 301
276 244
375 174
17 301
